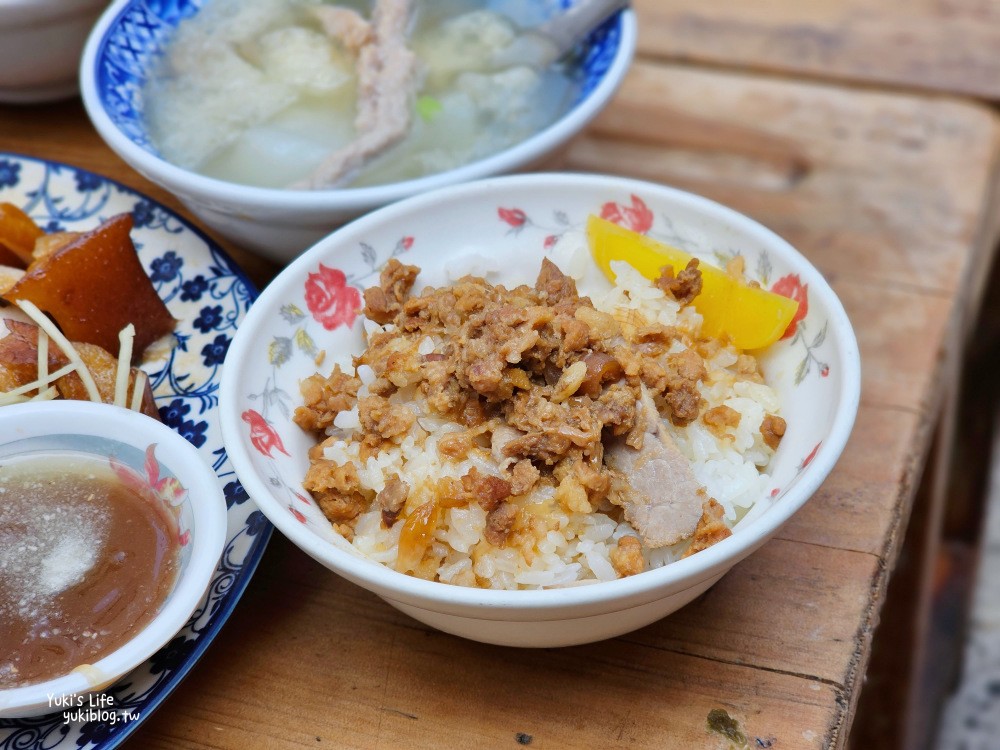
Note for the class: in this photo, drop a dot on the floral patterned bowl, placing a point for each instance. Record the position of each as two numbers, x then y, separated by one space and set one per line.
507 225
282 223
167 470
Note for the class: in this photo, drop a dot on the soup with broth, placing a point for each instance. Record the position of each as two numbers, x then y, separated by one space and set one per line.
85 563
308 94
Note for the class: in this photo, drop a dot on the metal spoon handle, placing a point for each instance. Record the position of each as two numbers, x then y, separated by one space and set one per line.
568 28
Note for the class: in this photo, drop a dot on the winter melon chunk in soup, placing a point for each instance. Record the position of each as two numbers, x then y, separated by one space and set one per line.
313 94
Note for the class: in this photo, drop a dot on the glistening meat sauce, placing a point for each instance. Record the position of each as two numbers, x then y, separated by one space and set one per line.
85 563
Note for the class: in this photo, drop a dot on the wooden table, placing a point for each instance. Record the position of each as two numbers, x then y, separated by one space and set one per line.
890 196
936 45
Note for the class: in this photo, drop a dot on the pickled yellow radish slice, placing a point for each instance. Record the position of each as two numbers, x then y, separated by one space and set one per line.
752 317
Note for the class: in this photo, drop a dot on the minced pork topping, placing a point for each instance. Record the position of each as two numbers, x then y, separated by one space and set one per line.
553 391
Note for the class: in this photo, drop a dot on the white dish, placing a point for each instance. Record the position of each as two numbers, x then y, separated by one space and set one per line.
510 223
152 454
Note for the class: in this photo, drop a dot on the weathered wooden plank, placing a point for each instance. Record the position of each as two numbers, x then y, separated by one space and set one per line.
314 661
892 324
942 45
887 187
857 506
888 195
773 611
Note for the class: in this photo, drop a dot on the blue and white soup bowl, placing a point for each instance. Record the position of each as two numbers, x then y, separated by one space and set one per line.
280 223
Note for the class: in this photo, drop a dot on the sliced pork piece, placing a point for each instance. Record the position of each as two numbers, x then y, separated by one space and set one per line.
388 80
17 325
658 490
344 25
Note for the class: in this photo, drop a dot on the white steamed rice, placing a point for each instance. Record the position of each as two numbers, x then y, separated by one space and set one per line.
566 548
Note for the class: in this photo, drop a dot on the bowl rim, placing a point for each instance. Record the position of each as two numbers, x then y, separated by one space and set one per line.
208 541
276 200
624 592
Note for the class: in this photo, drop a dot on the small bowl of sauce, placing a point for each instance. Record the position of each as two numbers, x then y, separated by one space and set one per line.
111 526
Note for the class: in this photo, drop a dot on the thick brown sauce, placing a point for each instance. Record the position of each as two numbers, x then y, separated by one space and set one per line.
85 563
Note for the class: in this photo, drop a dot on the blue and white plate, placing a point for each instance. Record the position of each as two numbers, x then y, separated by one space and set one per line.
209 295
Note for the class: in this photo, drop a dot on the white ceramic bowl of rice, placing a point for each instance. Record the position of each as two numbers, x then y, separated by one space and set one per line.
501 228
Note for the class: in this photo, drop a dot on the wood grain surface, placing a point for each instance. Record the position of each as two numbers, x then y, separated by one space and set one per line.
943 45
888 195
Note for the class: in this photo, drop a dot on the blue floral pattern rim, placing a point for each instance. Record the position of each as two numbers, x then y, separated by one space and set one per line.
209 295
140 30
